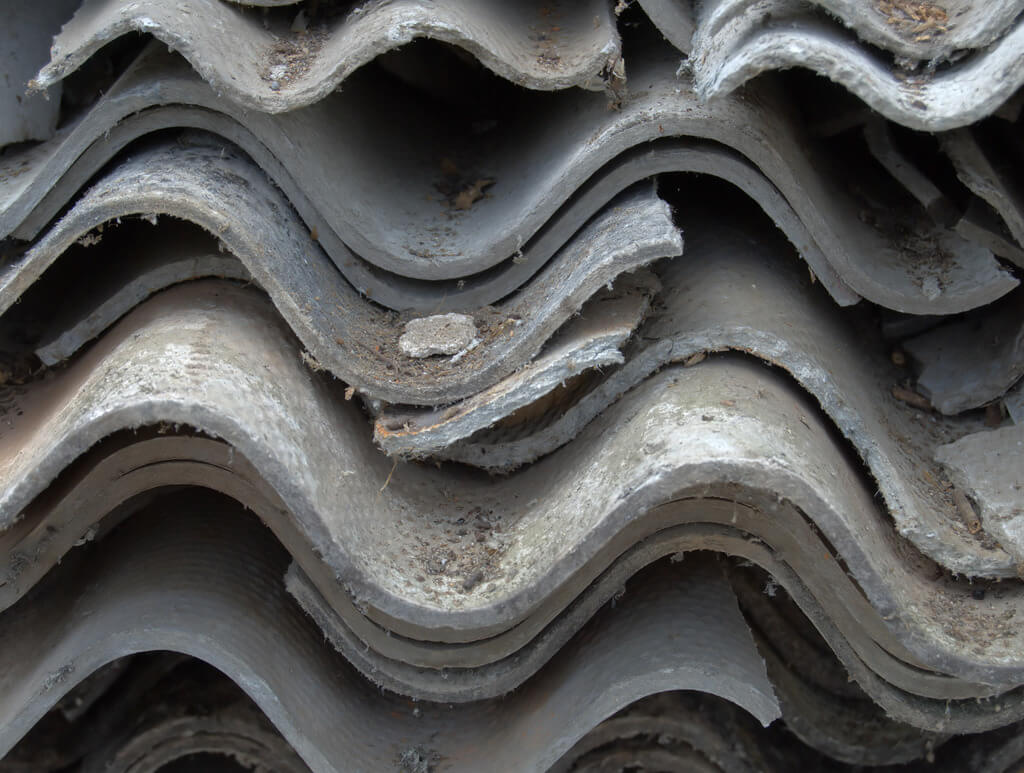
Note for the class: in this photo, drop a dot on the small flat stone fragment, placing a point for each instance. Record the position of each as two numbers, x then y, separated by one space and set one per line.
974 360
439 334
987 466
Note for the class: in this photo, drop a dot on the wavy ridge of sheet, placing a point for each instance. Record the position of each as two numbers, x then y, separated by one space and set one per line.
555 177
240 620
344 332
276 70
117 385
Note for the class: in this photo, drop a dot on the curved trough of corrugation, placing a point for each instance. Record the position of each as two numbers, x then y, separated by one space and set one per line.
534 44
196 714
724 57
233 727
345 333
739 290
199 578
823 707
719 735
919 32
726 739
111 474
214 358
550 174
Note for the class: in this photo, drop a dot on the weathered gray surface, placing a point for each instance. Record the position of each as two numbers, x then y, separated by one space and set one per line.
574 46
120 288
120 469
345 333
24 42
538 165
970 362
430 616
731 293
373 526
924 700
681 631
989 468
591 340
736 40
918 32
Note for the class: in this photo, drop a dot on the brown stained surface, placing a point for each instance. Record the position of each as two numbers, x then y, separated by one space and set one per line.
291 58
917 19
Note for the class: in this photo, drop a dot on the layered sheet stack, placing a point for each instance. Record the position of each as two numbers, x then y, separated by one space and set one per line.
435 385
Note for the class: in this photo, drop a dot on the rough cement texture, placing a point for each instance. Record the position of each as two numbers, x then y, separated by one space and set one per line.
548 177
445 334
682 631
989 468
372 525
277 69
205 183
736 40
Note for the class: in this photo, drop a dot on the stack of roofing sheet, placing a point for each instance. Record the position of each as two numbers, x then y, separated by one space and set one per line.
511 386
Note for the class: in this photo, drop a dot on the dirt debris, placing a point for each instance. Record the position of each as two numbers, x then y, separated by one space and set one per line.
461 189
911 398
919 20
966 511
418 760
290 58
17 369
472 193
463 551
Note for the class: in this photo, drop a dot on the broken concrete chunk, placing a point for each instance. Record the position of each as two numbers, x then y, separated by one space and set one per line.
439 334
972 361
989 467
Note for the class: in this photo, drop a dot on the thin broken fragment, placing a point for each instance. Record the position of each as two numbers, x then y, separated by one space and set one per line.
974 360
